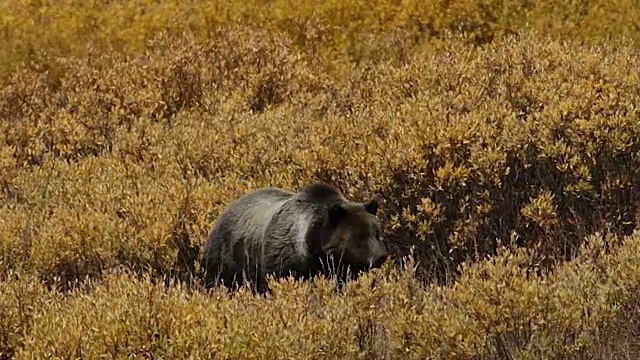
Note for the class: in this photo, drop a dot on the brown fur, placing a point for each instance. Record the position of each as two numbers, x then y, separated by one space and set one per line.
273 231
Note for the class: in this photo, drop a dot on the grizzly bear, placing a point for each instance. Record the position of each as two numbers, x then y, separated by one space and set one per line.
273 231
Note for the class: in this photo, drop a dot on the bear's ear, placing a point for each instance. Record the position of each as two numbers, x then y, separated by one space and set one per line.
372 207
337 213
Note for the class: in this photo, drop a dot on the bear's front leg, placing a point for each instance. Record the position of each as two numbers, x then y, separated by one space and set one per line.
262 286
341 280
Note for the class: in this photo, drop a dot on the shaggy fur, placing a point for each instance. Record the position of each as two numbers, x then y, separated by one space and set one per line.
273 231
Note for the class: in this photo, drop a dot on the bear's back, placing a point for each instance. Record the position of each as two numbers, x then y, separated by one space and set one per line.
314 197
248 216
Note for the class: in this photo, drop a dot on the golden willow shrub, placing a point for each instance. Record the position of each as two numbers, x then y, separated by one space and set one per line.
127 161
338 30
505 307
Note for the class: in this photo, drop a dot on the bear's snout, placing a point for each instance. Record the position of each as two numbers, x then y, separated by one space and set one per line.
381 260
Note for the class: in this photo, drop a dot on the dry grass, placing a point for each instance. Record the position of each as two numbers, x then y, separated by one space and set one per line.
498 152
341 32
586 308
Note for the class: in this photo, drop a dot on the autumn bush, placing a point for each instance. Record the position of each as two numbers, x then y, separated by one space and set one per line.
500 308
125 161
502 138
343 32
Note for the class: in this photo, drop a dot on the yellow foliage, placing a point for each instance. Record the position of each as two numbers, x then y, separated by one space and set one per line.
127 127
336 30
541 210
503 307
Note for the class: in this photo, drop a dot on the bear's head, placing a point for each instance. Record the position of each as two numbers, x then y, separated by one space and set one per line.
355 235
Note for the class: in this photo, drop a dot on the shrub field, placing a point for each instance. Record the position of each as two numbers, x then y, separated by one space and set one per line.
502 138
